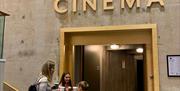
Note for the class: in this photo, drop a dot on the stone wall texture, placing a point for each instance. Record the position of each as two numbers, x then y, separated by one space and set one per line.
32 34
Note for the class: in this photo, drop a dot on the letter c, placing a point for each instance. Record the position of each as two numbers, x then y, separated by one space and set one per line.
57 9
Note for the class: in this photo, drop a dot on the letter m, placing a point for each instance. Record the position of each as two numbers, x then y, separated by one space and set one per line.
130 3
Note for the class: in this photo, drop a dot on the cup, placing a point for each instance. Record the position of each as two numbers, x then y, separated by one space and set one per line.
56 85
75 88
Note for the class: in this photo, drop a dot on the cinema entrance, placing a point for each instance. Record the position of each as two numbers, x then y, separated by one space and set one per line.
108 58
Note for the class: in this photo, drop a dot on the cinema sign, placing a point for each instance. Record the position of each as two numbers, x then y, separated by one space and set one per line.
107 4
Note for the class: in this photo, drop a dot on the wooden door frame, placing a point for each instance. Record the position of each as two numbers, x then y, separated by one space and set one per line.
152 79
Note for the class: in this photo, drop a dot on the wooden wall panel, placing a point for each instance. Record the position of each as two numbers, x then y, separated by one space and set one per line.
124 34
115 77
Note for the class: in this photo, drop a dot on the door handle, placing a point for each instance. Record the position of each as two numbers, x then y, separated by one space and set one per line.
151 77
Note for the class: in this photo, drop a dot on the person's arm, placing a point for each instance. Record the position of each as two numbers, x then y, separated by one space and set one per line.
43 86
60 85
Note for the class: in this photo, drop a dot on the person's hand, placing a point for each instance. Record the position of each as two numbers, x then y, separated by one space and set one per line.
67 89
61 88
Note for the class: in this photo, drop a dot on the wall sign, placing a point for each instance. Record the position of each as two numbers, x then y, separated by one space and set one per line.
173 65
107 4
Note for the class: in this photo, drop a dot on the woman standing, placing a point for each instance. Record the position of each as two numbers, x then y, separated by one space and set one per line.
65 82
45 78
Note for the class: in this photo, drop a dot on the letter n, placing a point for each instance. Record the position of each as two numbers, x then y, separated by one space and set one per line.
90 3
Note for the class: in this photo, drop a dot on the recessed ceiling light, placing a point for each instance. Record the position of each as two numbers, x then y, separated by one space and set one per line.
114 46
139 50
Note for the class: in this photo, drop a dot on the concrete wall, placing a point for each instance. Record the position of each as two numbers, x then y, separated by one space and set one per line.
31 38
2 63
31 35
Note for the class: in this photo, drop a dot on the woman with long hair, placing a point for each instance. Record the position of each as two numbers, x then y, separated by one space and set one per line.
45 78
65 82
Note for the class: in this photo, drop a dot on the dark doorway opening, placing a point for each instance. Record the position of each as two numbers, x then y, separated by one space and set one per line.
87 65
140 75
120 70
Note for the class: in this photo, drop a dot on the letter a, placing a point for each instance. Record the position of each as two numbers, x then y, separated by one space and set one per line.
161 2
